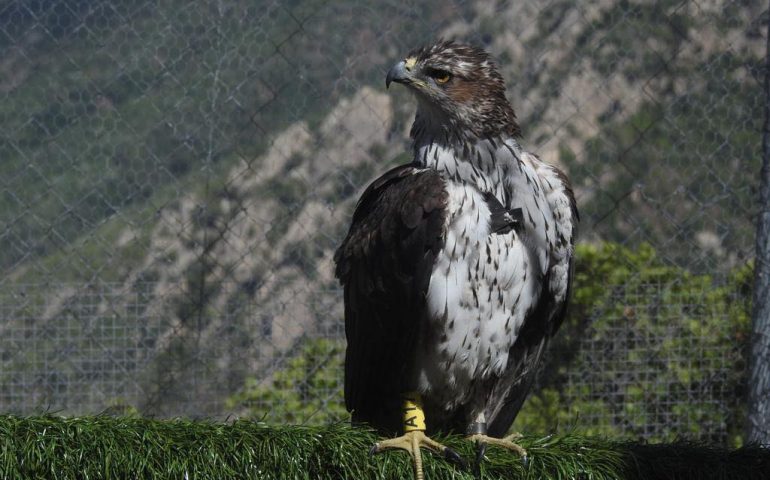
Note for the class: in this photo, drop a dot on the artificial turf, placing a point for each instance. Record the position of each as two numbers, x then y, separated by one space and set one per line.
100 447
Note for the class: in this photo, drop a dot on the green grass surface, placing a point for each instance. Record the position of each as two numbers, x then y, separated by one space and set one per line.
107 447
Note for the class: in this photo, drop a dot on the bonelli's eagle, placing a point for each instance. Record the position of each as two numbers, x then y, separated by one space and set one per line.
457 266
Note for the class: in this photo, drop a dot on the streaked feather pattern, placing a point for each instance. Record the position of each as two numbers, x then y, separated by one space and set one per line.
457 268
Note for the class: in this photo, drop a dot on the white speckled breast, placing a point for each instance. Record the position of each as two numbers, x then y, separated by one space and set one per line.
482 286
480 291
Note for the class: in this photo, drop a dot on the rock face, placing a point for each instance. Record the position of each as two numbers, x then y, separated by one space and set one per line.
268 243
231 278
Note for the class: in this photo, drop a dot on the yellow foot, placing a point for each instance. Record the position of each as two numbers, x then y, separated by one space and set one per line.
411 442
507 442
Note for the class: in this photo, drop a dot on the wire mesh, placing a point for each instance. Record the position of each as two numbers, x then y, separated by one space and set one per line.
176 176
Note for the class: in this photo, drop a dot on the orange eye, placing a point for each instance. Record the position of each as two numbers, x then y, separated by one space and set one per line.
440 76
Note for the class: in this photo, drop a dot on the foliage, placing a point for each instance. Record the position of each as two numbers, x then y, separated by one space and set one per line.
308 389
677 329
104 447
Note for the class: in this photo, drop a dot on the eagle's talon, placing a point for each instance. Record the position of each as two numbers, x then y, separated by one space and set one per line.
483 440
412 442
374 450
455 458
481 449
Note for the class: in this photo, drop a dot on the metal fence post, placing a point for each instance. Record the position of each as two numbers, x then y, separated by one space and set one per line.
759 375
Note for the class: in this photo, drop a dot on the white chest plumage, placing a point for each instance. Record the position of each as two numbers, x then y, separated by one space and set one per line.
483 285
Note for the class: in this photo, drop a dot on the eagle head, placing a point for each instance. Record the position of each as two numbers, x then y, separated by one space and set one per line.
459 91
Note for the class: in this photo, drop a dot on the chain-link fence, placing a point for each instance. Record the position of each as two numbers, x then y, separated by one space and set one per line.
175 176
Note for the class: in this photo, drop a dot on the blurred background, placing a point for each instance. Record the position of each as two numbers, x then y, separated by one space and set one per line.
175 177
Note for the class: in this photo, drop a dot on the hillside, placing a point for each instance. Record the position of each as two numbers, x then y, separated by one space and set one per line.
197 165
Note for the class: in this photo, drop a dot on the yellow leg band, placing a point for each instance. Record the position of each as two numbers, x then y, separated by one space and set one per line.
414 417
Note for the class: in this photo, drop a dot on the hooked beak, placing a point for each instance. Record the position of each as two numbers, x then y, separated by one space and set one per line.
398 73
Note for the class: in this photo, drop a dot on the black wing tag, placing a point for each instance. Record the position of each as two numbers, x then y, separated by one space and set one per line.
501 220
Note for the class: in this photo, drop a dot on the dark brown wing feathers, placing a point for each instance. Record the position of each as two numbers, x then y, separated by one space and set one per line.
384 264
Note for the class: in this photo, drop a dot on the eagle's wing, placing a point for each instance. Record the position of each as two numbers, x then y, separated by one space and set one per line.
545 319
384 264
